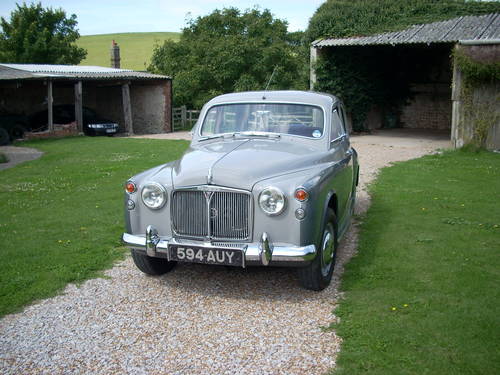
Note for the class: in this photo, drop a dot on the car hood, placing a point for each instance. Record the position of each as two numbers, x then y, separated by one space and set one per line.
241 163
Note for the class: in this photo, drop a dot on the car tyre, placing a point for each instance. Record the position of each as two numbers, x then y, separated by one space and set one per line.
17 132
152 266
4 137
317 275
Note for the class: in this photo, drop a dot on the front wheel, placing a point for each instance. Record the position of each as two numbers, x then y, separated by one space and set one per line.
318 274
150 265
17 132
4 137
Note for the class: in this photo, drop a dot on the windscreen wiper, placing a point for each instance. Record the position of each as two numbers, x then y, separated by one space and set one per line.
223 135
258 134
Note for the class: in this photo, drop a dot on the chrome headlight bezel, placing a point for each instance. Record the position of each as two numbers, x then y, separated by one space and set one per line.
269 197
159 198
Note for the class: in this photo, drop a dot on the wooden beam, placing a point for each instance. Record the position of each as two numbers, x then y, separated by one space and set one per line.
127 109
457 138
79 106
313 58
50 119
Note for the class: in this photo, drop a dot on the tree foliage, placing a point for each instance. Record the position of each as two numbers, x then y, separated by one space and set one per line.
40 35
228 51
346 18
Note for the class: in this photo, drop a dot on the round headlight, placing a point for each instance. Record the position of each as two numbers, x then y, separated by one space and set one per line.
154 195
272 201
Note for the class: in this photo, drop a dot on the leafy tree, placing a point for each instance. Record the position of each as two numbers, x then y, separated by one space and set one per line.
38 35
345 18
229 51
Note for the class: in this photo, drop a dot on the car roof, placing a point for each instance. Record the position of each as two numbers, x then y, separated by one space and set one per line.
304 97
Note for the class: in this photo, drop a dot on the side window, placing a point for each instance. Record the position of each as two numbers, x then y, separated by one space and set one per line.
345 120
337 126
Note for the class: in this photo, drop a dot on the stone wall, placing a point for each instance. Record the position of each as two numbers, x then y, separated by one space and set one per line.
151 112
430 107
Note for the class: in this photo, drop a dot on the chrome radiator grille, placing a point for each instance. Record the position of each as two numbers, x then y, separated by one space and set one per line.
221 214
189 209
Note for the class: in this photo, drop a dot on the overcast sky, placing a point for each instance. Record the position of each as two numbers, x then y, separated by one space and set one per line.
113 16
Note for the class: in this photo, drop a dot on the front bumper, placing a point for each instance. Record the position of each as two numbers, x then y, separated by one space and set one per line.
263 253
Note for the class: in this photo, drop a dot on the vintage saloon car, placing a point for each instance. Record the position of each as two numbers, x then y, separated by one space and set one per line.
269 179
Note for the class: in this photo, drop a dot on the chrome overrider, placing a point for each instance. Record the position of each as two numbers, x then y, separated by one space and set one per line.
261 253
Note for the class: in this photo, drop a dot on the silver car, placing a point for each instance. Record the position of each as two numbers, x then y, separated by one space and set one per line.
268 180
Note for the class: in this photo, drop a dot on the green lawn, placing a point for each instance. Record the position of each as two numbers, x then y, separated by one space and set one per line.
135 48
62 215
3 158
423 294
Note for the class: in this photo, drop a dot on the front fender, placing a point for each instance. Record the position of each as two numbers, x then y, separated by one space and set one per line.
137 219
286 228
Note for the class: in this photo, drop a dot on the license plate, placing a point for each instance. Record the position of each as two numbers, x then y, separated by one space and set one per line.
194 254
110 131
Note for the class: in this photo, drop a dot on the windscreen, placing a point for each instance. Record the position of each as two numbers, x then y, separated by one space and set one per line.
294 119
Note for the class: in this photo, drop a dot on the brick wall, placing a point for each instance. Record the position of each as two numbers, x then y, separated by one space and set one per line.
430 107
60 131
151 107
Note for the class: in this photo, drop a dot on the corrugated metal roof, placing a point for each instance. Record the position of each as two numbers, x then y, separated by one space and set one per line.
479 28
8 73
73 69
42 71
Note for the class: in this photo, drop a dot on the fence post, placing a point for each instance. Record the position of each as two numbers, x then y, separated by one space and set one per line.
183 116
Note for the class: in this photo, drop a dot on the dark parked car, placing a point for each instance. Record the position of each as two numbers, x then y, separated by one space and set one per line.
270 179
93 124
12 127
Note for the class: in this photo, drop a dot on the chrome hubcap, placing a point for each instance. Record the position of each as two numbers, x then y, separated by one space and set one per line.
327 249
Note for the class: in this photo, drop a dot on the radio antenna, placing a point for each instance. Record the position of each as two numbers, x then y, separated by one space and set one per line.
270 79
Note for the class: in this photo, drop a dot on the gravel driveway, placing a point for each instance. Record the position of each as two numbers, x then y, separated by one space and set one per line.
197 319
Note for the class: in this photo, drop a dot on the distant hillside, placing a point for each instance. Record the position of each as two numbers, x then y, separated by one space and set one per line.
135 48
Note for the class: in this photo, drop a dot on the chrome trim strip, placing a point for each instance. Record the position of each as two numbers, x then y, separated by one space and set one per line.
284 255
211 188
210 176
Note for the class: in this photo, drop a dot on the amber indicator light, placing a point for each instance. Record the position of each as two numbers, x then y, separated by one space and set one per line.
130 187
301 195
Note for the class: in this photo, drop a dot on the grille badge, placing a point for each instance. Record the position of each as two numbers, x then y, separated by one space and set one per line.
213 213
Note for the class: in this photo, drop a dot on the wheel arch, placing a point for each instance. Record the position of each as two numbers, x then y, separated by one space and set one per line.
331 202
